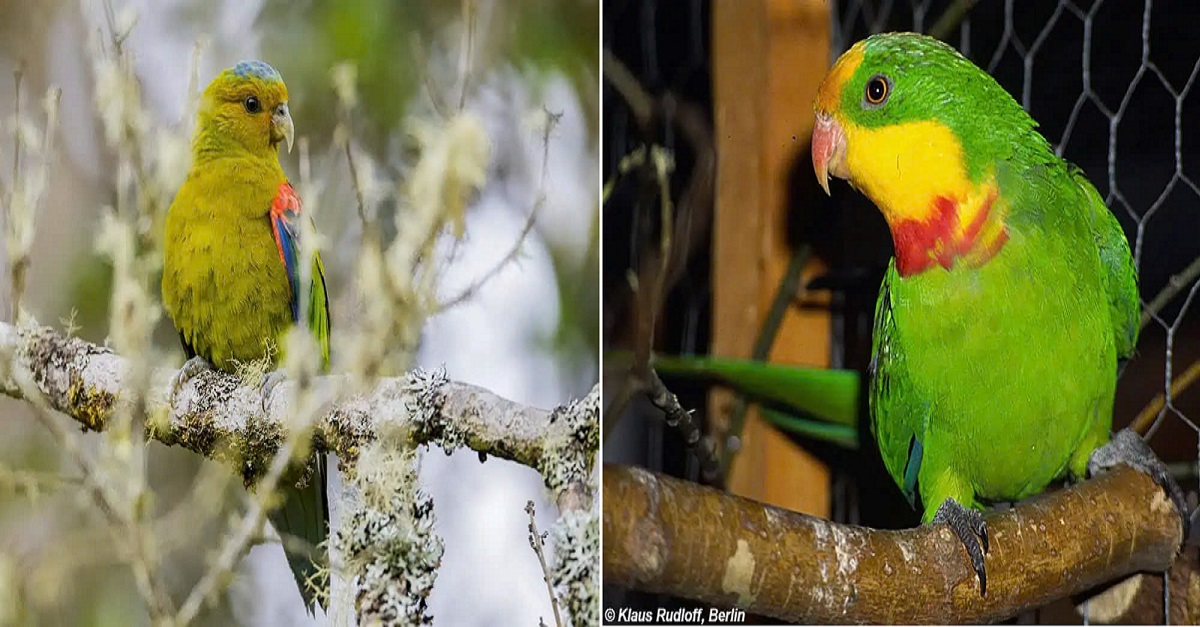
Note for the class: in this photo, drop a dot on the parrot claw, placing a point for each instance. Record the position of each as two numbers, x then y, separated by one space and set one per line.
187 372
1127 447
971 530
269 383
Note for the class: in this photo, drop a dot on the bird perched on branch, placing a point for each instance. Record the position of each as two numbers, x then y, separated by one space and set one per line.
1012 295
231 275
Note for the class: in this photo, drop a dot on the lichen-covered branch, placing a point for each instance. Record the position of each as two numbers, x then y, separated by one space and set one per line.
387 542
670 536
217 416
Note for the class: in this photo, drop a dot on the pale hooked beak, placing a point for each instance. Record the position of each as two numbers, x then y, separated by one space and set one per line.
828 150
281 125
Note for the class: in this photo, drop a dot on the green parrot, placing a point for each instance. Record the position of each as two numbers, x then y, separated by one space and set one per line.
1012 295
231 264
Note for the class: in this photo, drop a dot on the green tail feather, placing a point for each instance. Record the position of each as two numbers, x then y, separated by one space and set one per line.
301 523
818 403
842 435
826 395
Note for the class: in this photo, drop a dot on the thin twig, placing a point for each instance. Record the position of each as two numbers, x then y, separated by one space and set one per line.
1150 412
650 295
468 50
20 264
127 531
431 90
535 541
552 120
237 544
789 287
358 193
630 162
1174 286
193 89
679 418
639 100
513 254
950 18
692 218
18 74
32 483
117 38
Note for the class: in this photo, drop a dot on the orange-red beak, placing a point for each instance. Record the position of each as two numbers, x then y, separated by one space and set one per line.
828 150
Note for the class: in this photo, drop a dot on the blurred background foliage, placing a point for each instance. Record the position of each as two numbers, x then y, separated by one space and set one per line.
406 55
388 41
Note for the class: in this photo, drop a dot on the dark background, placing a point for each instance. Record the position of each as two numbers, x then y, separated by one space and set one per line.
1133 127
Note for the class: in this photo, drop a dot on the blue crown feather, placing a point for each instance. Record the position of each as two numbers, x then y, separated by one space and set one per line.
256 69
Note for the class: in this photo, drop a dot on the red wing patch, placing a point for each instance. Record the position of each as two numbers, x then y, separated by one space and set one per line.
285 208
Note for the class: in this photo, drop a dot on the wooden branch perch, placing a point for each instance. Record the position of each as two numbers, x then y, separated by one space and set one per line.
666 535
218 417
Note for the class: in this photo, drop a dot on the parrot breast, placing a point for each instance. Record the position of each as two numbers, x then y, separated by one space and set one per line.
942 240
224 286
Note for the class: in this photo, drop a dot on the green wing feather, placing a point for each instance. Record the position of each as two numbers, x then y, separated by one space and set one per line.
1117 270
303 517
897 416
318 308
301 523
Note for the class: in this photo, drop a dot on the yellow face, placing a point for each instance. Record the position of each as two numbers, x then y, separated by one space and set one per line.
914 172
248 108
900 167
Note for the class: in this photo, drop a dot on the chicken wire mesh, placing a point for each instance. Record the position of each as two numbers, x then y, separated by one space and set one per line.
1111 84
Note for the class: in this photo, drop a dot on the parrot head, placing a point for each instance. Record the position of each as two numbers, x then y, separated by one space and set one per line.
247 104
919 130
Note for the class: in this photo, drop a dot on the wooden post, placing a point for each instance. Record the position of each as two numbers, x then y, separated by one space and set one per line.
768 59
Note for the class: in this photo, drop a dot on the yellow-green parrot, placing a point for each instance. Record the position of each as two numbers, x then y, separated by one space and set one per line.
232 270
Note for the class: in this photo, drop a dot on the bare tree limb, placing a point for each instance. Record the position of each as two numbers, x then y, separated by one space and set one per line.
670 536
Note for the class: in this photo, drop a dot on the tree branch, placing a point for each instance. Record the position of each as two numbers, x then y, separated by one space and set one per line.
218 417
670 536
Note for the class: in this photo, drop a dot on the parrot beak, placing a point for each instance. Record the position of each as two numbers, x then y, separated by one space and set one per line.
281 125
828 150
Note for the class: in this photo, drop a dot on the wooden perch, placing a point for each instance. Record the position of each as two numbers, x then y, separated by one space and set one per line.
217 416
666 535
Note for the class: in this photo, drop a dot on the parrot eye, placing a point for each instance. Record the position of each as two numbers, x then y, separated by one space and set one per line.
878 89
252 104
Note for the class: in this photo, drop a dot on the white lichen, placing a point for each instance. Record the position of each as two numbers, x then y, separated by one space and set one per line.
388 548
568 459
575 573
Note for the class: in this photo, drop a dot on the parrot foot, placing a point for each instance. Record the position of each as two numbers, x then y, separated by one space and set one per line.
269 383
187 372
1127 447
969 526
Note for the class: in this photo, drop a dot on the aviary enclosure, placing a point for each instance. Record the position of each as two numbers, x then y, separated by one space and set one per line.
721 254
